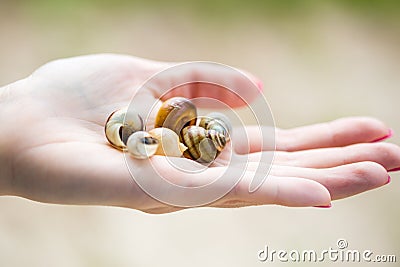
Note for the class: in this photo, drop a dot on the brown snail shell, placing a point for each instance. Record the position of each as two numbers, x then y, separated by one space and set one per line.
203 145
169 142
175 114
120 126
218 122
142 145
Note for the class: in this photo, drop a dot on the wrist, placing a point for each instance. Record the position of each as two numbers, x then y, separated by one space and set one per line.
8 105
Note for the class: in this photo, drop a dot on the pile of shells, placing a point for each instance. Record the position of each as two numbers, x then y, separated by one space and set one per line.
178 130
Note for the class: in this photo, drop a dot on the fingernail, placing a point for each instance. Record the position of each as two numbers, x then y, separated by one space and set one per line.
390 134
324 207
388 180
394 170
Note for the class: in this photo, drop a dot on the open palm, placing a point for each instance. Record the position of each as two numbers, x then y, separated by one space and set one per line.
56 151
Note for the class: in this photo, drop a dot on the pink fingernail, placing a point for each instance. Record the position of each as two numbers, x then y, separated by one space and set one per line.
394 170
388 180
390 134
324 207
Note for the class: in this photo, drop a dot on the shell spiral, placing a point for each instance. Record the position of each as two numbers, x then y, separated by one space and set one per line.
218 122
120 125
203 145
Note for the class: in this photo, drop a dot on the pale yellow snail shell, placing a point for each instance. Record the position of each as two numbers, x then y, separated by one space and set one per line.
176 113
169 144
117 130
142 145
203 145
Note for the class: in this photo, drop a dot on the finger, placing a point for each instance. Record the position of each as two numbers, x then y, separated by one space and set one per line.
385 154
251 139
341 132
286 191
342 181
205 80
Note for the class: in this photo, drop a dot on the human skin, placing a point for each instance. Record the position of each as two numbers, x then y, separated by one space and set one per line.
53 149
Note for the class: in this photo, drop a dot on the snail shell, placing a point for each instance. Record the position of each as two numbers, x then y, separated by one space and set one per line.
176 113
203 145
142 145
118 131
218 122
169 144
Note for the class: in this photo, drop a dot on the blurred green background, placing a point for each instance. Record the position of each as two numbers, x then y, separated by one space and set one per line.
319 60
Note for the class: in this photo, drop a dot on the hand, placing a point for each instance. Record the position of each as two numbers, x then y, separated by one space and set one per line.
53 149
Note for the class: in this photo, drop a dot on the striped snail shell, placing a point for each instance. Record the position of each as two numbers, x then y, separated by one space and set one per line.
176 113
120 125
218 122
203 145
142 145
